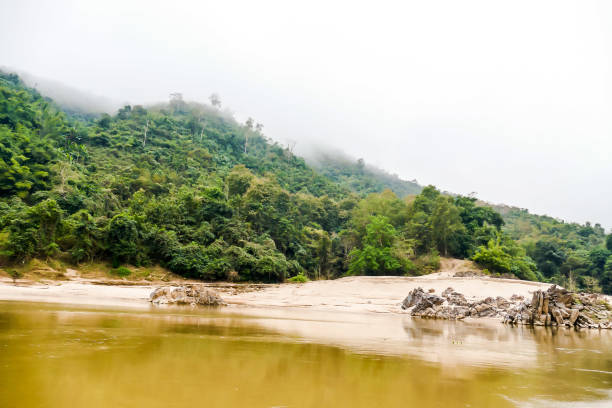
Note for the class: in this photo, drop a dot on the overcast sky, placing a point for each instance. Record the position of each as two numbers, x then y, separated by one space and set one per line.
508 99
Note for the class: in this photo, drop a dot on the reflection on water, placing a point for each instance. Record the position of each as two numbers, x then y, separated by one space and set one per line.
62 356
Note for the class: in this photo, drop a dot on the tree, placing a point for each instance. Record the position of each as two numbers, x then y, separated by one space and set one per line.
104 121
590 284
176 102
445 222
606 278
239 180
248 128
502 255
144 137
549 255
48 215
85 238
598 257
376 257
123 239
15 275
576 264
385 204
360 165
215 100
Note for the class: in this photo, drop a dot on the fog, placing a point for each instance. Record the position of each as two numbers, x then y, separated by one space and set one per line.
511 100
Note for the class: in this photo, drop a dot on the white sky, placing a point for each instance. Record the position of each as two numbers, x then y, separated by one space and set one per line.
510 99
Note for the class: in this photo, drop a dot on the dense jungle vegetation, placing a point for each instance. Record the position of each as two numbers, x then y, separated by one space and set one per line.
185 186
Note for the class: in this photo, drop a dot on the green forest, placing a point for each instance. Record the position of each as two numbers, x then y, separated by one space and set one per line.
185 186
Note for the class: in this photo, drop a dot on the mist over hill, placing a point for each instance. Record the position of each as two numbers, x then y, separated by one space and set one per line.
69 98
355 173
187 186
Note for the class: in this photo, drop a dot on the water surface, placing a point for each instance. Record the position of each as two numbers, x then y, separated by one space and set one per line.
66 356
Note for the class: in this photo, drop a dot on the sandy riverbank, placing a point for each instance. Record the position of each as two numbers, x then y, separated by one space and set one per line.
351 294
362 314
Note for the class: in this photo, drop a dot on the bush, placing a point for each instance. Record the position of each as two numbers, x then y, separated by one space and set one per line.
299 278
503 256
426 264
121 271
233 276
15 274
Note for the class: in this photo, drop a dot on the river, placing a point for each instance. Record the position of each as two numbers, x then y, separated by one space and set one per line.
54 355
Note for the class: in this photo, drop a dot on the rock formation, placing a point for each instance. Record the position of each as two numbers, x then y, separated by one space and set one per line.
452 305
559 307
421 301
554 307
185 295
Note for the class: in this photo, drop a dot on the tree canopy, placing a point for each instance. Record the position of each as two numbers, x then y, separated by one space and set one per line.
186 186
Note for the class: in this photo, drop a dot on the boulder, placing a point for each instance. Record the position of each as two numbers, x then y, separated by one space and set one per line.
502 303
420 301
185 295
540 302
545 304
556 313
574 316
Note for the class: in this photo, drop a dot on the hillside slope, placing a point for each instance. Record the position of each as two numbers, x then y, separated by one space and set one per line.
358 176
186 186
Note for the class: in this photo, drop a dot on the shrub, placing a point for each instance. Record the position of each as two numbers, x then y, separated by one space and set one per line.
299 278
233 276
426 264
121 271
15 274
503 256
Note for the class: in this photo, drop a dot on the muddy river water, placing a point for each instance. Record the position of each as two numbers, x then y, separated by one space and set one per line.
54 355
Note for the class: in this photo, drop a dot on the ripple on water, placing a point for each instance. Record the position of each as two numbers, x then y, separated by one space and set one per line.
548 401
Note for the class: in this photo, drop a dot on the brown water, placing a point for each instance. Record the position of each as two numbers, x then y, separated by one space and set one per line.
65 356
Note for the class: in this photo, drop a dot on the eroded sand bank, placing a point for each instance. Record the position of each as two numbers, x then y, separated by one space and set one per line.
376 294
351 294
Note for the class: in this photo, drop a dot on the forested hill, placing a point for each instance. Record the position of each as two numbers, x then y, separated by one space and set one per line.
569 253
579 252
358 176
185 186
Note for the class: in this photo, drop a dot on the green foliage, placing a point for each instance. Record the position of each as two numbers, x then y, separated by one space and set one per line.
426 263
606 276
569 254
376 256
122 272
189 188
502 255
123 239
14 274
299 278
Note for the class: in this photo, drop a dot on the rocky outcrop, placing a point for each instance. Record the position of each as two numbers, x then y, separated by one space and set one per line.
454 298
185 295
421 301
559 307
554 307
451 305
